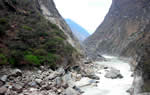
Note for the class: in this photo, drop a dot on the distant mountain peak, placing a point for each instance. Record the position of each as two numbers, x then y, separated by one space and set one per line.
77 30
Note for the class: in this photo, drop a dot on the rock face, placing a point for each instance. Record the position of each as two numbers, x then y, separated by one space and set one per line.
49 10
125 31
126 22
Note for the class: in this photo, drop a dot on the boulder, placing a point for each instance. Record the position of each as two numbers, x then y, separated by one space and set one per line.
93 77
78 89
61 71
33 84
71 91
113 74
53 75
58 81
17 87
4 78
1 83
16 73
3 90
38 81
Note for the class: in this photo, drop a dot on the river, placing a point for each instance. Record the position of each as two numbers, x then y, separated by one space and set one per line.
108 86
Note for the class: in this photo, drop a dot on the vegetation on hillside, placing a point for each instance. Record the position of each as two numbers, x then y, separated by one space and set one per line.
26 37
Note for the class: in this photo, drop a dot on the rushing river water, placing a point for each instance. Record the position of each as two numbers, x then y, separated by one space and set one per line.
108 86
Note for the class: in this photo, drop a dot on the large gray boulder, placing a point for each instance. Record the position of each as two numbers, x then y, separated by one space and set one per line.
113 74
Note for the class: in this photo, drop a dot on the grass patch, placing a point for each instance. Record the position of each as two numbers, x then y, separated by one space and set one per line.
27 28
3 59
32 59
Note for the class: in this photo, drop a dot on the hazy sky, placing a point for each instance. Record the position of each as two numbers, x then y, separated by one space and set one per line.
88 13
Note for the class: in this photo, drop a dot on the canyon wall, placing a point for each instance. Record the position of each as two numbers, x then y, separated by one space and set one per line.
125 31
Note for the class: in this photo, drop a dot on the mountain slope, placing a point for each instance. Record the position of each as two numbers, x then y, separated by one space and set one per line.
77 30
33 32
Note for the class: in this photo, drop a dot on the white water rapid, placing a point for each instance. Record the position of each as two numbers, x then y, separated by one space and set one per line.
108 86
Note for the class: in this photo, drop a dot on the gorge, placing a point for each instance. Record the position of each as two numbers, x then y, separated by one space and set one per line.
39 54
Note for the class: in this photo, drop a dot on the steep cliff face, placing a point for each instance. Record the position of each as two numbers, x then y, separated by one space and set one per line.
33 32
125 31
125 21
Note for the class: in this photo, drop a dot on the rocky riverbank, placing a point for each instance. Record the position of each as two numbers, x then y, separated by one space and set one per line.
43 80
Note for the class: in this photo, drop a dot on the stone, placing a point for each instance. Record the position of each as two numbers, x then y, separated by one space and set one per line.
58 81
32 84
105 67
39 71
78 89
16 73
52 75
1 83
78 77
17 87
113 74
93 77
71 91
4 78
38 81
3 90
61 71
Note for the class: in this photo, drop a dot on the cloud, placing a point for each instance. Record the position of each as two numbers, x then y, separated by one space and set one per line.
87 13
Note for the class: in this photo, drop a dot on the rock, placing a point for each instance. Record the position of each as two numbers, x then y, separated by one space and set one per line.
67 79
16 73
130 90
93 77
58 81
87 62
105 67
70 91
113 74
3 90
39 71
52 75
78 89
78 77
1 83
32 84
42 67
38 81
61 71
17 87
4 78
132 75
59 91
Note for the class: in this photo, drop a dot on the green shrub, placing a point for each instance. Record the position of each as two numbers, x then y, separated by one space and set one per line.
32 59
14 1
53 26
15 56
55 42
3 21
27 28
69 49
40 52
12 61
59 33
3 59
3 26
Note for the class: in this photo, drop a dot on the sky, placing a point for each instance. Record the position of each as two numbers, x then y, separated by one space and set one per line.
87 13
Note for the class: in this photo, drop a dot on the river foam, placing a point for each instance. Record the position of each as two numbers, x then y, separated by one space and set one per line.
108 86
